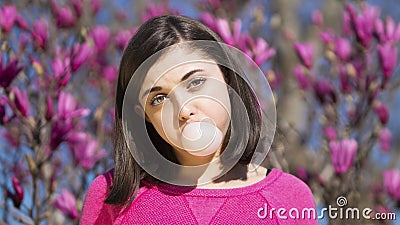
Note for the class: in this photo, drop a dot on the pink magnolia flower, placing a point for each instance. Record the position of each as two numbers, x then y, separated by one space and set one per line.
327 36
8 16
40 33
214 4
388 33
8 72
68 107
85 150
101 37
209 20
364 23
21 22
345 78
387 58
80 53
330 133
122 38
109 73
66 203
359 67
342 48
345 82
382 112
95 5
20 100
324 91
302 79
64 16
346 23
229 37
77 5
24 39
88 154
391 181
317 18
305 51
63 123
154 9
20 170
385 139
75 138
59 131
18 194
3 112
49 108
61 71
258 50
302 173
343 154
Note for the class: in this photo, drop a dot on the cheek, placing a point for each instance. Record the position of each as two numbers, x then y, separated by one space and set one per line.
218 112
164 127
155 119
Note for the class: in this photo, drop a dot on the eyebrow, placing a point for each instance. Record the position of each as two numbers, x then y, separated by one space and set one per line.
185 77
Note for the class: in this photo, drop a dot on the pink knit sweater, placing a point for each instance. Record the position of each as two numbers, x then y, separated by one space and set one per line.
280 198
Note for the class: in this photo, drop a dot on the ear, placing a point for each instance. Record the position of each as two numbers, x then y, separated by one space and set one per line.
139 111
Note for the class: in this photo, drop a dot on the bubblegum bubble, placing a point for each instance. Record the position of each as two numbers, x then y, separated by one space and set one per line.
201 138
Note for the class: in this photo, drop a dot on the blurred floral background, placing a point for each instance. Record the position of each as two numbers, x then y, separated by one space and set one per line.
332 65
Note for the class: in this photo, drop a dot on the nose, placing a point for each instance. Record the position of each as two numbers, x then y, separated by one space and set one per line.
184 106
186 112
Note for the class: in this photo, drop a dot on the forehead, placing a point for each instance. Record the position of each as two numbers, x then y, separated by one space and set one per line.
174 63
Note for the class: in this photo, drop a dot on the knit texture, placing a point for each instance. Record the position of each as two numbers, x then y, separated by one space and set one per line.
170 204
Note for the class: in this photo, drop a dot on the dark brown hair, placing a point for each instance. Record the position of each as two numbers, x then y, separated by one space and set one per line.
153 36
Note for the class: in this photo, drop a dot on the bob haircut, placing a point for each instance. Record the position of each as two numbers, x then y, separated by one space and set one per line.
153 36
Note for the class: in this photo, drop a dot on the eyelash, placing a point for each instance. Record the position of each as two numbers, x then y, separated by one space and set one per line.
197 79
155 98
190 85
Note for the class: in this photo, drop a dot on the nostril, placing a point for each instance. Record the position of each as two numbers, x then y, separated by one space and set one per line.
186 113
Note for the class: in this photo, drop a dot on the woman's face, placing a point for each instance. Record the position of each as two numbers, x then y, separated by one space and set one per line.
183 87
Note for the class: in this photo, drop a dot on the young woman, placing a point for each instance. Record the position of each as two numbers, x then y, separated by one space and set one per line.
187 129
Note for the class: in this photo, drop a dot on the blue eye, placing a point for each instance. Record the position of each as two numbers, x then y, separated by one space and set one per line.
158 99
196 82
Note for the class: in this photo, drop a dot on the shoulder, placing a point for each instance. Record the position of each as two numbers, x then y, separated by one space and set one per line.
104 179
94 207
287 189
100 185
289 181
